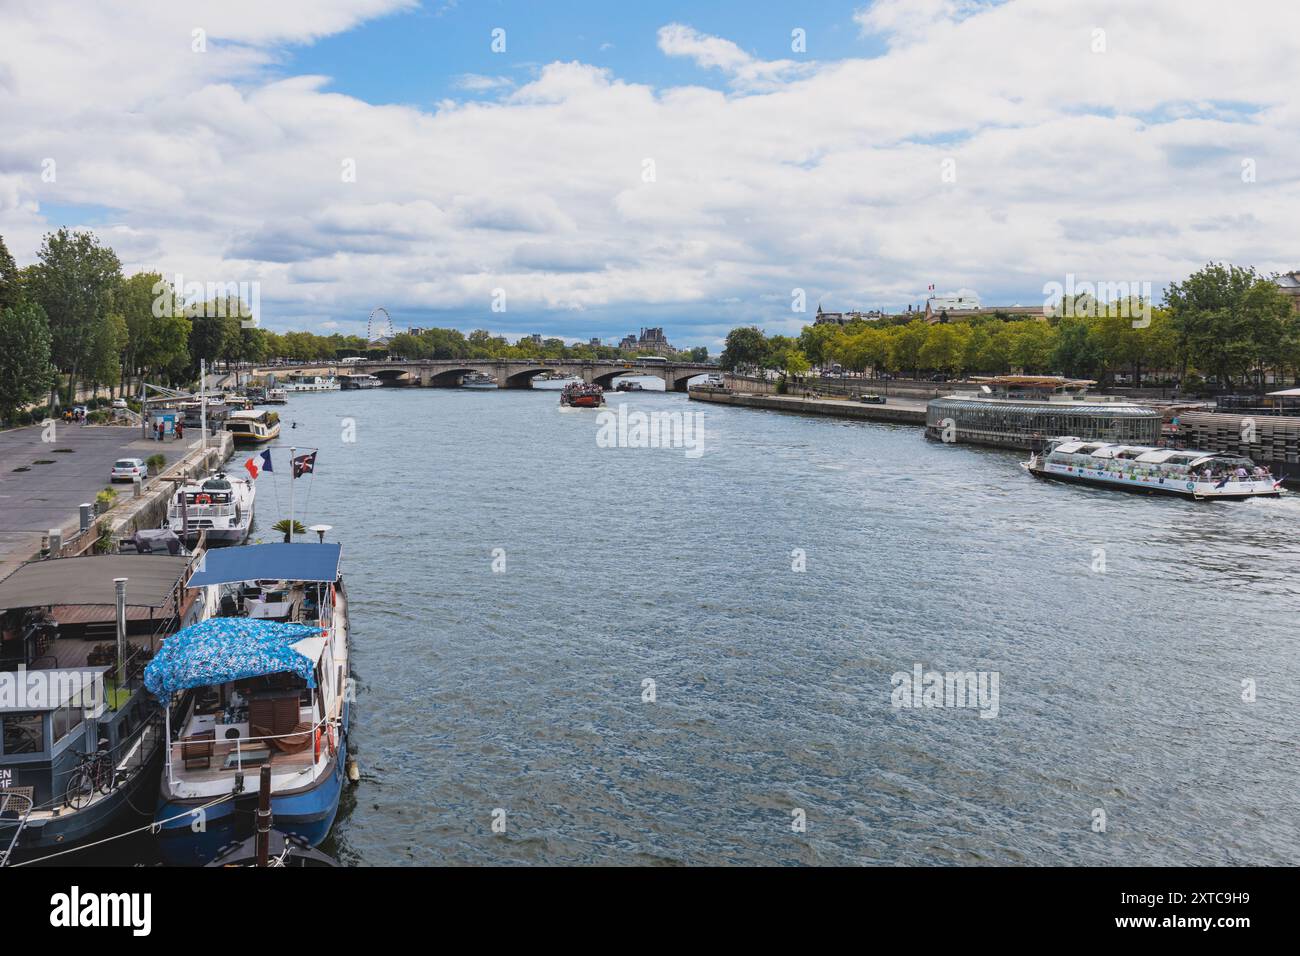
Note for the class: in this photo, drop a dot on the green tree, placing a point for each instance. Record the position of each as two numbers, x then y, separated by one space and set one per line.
10 288
73 281
744 346
25 370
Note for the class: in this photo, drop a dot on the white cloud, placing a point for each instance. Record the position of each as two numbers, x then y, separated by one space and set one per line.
826 177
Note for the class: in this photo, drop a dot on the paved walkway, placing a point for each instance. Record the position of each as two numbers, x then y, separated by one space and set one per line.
77 463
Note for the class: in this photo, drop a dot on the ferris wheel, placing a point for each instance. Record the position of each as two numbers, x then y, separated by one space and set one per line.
387 321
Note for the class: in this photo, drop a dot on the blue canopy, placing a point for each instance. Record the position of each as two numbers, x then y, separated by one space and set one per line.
300 561
223 649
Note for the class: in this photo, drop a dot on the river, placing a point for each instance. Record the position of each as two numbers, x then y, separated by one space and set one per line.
511 685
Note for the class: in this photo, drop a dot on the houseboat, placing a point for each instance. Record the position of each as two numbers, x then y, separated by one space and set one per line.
311 383
478 380
275 694
81 739
1200 475
582 395
253 427
220 505
359 380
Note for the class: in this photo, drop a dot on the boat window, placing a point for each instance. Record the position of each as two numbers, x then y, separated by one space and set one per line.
216 484
67 720
23 734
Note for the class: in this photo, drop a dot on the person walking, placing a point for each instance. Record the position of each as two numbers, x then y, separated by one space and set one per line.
180 431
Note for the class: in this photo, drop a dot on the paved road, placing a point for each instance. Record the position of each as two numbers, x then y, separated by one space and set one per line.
47 496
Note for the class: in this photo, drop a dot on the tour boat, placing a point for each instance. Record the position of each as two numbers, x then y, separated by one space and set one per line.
360 380
264 682
478 380
219 504
81 735
311 383
1187 473
582 395
629 386
251 427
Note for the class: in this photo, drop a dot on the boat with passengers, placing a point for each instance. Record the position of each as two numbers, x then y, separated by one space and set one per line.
220 504
80 737
582 395
1187 473
264 682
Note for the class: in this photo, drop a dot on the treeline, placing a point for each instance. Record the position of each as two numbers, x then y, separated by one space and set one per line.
1223 321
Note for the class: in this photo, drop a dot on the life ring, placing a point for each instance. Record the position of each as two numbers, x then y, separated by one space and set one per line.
203 499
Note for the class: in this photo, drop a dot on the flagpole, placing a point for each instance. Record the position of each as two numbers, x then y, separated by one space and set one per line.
292 450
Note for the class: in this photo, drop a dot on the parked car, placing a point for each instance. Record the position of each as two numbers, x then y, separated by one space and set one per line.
871 398
126 469
119 403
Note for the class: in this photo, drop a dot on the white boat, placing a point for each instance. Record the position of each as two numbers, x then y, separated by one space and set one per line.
311 383
276 396
1187 473
218 504
478 380
360 380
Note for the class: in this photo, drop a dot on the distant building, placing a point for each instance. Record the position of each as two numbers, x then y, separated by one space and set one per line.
1289 284
844 318
951 303
595 342
651 340
935 314
535 338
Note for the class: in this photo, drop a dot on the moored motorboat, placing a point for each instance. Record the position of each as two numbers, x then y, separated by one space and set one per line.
1186 473
582 395
276 694
627 385
359 381
248 426
220 504
276 396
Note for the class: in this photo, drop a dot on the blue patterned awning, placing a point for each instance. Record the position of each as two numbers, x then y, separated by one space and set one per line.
223 649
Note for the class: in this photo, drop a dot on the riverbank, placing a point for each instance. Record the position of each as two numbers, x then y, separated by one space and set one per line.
43 485
897 411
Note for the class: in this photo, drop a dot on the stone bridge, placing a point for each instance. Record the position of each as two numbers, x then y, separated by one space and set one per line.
511 373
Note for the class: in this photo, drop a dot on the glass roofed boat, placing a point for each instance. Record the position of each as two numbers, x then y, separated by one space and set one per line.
79 735
1188 473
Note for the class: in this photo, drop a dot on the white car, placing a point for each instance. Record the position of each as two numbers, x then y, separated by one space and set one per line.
119 403
126 469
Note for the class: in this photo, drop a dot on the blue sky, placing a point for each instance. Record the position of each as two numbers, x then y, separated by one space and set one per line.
652 163
416 57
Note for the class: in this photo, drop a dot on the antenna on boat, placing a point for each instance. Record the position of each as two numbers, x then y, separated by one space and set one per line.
119 585
292 455
320 530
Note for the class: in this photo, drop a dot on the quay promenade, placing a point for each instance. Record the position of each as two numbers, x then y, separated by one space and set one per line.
896 411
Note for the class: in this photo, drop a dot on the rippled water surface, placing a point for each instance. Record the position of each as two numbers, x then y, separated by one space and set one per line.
522 690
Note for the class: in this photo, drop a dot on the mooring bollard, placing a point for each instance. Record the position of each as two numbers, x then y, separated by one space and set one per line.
87 515
136 486
56 542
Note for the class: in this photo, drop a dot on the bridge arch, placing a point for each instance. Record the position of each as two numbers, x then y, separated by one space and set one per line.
393 377
522 378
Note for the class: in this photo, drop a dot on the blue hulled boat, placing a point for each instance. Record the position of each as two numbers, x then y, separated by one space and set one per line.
265 682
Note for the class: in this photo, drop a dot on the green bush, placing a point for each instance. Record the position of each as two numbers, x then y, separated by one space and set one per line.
105 500
156 463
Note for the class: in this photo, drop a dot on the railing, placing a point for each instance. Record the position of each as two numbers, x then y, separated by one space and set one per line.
221 748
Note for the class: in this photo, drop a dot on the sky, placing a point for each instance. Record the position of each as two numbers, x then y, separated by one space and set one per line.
585 169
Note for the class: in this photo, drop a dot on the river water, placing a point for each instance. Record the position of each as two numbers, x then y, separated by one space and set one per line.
1120 629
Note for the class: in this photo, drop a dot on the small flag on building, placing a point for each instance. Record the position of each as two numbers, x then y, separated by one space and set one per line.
266 460
304 465
251 467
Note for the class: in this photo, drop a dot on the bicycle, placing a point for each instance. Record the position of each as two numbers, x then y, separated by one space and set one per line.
93 773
